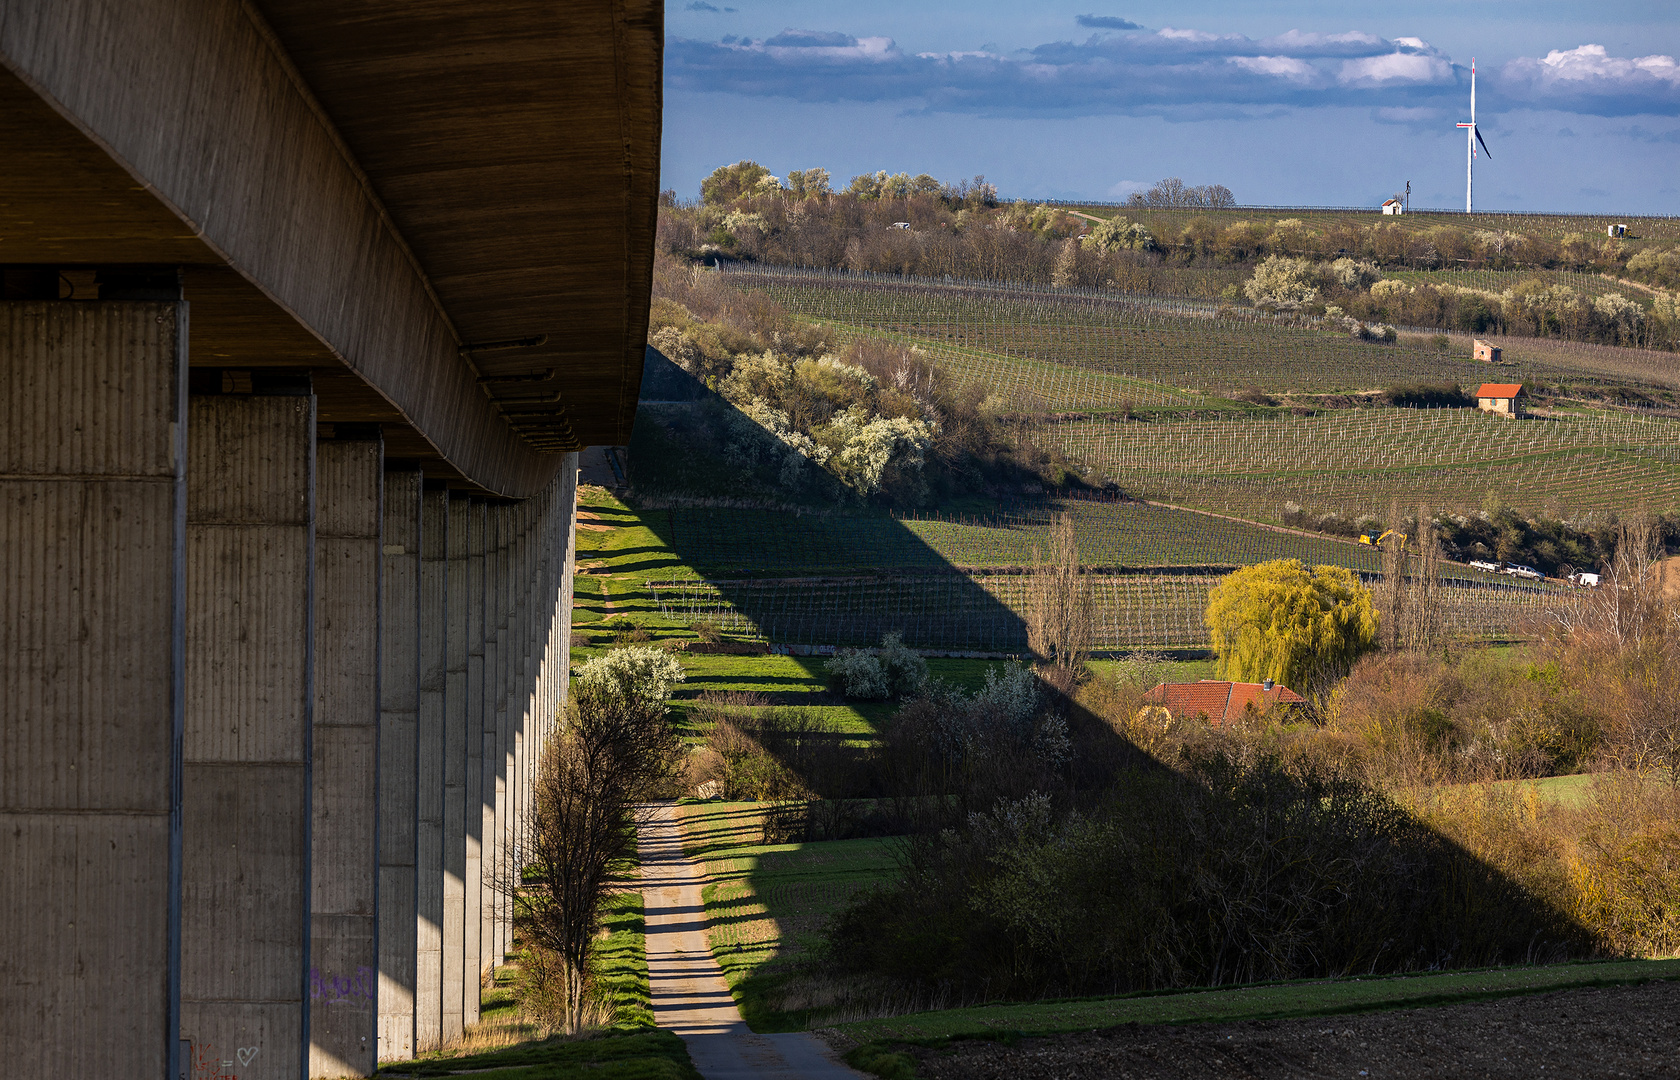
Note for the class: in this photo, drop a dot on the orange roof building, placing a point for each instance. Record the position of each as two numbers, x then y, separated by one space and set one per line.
1505 399
1221 702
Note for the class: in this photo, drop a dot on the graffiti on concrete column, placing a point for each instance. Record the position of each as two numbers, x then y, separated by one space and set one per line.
209 1064
330 988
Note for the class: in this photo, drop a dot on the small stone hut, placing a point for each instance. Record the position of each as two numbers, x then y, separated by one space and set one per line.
1503 399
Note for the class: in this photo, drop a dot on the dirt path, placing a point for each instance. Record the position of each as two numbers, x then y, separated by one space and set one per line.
690 996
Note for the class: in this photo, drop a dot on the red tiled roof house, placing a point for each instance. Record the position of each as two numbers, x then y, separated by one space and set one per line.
1220 702
1502 399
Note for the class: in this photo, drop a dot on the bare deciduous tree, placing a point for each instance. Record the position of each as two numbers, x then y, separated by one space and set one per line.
1060 612
615 753
1409 599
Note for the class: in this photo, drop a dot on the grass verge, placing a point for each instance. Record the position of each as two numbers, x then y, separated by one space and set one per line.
766 905
876 1039
646 1055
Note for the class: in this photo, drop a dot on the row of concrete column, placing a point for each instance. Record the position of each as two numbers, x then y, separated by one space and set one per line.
271 719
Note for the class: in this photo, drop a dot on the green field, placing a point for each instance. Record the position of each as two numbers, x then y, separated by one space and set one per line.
1266 1001
766 904
1058 351
849 580
1123 385
736 543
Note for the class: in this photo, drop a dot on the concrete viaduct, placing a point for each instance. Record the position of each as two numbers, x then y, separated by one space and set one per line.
308 307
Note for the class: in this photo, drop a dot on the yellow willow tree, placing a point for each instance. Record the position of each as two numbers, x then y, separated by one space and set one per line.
1279 620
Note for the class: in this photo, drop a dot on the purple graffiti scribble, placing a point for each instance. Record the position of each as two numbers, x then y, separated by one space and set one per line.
334 989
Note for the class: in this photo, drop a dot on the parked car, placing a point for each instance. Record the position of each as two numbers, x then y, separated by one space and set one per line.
1584 580
1519 570
1483 564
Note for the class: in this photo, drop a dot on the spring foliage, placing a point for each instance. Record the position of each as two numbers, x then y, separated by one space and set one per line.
1279 620
639 672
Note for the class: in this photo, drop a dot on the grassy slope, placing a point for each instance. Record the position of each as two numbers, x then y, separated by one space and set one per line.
646 1055
621 963
766 903
1073 353
1258 1002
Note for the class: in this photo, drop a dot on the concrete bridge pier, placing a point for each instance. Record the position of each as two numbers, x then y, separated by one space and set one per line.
246 757
503 762
92 592
434 571
454 772
399 711
344 958
472 962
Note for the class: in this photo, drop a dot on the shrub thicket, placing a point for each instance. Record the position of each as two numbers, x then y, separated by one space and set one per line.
801 418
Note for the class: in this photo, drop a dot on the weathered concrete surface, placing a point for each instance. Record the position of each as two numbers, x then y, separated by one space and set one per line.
344 960
690 996
455 773
92 456
245 878
399 709
502 760
434 568
204 109
472 967
520 707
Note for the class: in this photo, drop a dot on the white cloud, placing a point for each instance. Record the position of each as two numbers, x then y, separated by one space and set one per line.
1283 67
1593 62
1588 79
1177 72
1395 68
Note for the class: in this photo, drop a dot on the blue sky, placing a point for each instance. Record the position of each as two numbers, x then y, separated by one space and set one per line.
1301 102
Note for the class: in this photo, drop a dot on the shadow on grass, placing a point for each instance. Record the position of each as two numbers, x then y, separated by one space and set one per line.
805 579
644 1055
1237 875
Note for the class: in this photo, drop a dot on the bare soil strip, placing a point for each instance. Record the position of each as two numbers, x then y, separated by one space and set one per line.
1621 1031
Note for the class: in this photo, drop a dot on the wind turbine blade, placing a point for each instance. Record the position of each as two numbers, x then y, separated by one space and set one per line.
1483 141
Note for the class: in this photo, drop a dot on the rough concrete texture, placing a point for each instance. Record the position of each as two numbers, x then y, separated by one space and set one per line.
399 707
472 967
246 764
428 862
91 423
454 939
491 857
690 996
344 959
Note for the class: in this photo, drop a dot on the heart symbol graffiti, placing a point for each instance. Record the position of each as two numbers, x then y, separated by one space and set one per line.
246 1053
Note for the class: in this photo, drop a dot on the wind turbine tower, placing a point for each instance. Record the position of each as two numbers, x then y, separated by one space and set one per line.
1472 136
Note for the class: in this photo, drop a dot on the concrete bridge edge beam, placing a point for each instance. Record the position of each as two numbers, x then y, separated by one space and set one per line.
399 696
91 621
246 761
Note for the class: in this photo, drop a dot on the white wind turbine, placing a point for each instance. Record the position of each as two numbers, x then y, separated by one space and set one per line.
1472 137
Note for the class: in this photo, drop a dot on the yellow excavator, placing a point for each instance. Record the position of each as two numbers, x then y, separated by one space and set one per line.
1377 541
